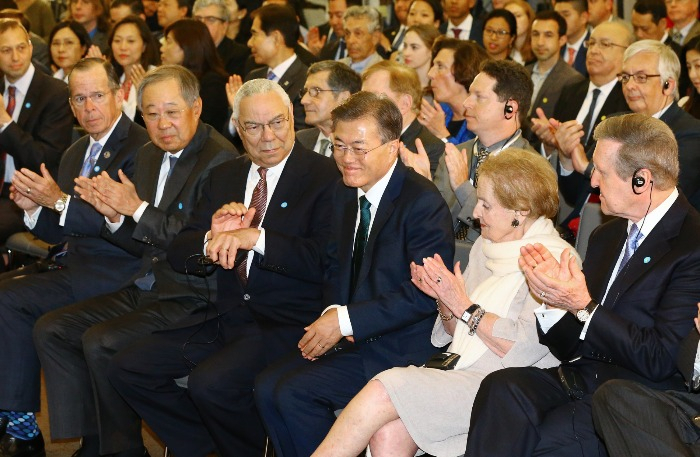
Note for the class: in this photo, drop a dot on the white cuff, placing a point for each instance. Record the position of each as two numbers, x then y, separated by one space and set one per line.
114 226
139 211
260 244
582 336
31 220
343 319
64 213
548 317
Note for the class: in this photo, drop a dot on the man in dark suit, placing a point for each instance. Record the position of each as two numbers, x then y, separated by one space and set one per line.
329 42
55 215
576 115
461 23
35 119
633 419
622 317
397 31
575 12
77 342
376 318
264 301
550 74
401 84
328 84
215 15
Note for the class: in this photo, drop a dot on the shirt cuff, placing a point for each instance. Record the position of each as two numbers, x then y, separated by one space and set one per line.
64 213
139 211
31 220
548 317
343 319
260 244
563 171
696 366
207 238
114 226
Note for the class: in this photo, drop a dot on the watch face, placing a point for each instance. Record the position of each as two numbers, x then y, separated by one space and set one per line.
60 206
583 315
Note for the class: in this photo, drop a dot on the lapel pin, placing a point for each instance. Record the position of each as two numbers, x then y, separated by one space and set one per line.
545 100
107 154
647 259
284 204
602 118
27 105
286 83
179 205
97 169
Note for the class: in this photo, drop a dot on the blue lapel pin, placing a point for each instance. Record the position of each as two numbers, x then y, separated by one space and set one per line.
284 204
647 259
179 205
97 169
27 105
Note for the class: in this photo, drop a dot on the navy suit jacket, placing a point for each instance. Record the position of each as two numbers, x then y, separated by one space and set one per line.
580 60
686 129
95 265
475 34
649 309
391 319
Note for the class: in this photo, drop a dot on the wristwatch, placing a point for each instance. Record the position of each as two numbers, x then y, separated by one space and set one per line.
584 314
60 204
468 313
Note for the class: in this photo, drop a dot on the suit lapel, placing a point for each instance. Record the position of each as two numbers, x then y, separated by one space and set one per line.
286 79
183 168
149 171
72 166
287 193
347 240
111 149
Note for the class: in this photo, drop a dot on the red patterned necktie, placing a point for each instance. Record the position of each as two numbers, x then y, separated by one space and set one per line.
259 202
10 109
456 33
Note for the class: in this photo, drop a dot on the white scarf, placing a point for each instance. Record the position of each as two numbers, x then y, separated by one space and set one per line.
495 294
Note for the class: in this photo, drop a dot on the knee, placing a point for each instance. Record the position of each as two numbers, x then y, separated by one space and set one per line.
97 343
48 331
204 389
122 368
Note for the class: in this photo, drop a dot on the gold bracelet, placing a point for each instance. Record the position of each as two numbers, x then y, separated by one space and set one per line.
441 314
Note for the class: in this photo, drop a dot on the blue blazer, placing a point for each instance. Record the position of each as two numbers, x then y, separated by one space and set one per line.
580 60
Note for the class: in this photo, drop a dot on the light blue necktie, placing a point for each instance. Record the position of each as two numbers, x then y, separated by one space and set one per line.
271 75
91 160
631 245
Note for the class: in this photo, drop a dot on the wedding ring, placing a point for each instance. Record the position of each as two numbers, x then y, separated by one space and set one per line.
438 280
29 191
534 266
321 346
543 294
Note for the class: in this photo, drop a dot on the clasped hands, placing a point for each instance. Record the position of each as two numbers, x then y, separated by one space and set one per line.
30 190
434 279
563 136
110 198
231 231
558 284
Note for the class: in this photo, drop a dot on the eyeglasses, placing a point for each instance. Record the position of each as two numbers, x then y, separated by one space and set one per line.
639 78
21 48
496 33
604 44
211 20
255 129
342 149
170 115
98 98
314 91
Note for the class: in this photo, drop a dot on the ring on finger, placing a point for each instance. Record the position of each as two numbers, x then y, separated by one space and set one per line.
438 280
29 190
543 294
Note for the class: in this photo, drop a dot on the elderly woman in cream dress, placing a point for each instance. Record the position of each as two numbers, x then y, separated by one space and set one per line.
406 409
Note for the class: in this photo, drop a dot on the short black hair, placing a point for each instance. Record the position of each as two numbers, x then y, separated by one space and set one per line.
657 9
512 83
378 107
552 16
281 18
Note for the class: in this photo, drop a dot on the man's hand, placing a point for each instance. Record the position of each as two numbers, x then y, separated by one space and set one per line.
224 246
697 319
544 128
85 188
4 116
321 335
314 41
432 117
41 189
232 86
457 165
23 202
231 216
121 196
419 162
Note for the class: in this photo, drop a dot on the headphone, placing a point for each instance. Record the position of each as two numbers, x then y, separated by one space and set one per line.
666 85
637 181
508 110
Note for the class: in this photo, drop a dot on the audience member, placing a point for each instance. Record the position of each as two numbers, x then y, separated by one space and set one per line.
215 15
188 43
600 11
381 319
684 16
405 409
363 30
424 12
236 16
692 62
53 213
634 333
76 343
264 301
550 74
396 33
524 15
500 30
69 42
40 49
36 124
402 86
461 24
150 10
649 23
633 419
335 45
328 84
39 15
93 15
416 51
134 52
455 64
119 9
169 12
575 14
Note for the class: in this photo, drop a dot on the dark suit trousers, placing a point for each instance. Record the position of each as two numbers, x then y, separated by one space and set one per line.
10 219
526 412
22 301
217 409
297 399
635 420
75 345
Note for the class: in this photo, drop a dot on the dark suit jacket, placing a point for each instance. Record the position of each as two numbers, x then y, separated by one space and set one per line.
477 31
44 127
561 75
292 81
214 101
572 187
434 146
233 55
151 236
686 129
95 265
308 137
580 60
649 308
284 287
391 319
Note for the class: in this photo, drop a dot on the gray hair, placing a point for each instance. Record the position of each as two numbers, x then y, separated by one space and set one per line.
221 4
669 65
255 87
189 85
375 19
90 62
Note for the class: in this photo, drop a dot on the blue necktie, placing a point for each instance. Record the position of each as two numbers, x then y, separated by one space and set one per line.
270 75
631 245
91 160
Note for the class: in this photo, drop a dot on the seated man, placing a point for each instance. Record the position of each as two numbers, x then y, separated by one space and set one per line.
622 317
76 343
384 217
264 301
363 30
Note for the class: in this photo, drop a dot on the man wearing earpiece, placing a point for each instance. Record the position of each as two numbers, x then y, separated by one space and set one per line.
649 77
622 317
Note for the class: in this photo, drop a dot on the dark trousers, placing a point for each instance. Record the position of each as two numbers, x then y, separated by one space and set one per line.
635 420
11 219
75 345
526 412
297 399
222 357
